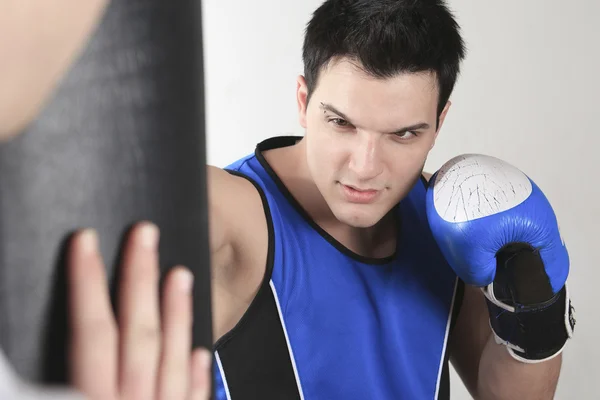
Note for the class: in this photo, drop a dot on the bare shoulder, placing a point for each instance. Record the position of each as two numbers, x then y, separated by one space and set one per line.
236 210
225 185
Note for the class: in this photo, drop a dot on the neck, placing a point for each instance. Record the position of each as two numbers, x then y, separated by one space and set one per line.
377 241
290 165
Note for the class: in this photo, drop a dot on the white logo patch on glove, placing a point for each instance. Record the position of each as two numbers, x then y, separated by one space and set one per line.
469 187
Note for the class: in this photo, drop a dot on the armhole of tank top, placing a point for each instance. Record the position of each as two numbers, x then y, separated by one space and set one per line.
457 303
424 181
264 286
460 285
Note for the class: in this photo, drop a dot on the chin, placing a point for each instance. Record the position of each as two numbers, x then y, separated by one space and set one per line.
358 217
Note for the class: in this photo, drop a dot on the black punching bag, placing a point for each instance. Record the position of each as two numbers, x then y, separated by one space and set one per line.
122 140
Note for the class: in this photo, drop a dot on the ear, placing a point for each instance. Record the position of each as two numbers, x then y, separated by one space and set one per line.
301 98
441 121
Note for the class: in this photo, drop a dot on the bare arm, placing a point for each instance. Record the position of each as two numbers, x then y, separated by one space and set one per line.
239 245
39 39
486 368
218 184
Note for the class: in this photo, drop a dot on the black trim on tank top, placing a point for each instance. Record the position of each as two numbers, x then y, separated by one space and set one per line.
285 141
254 355
444 392
458 302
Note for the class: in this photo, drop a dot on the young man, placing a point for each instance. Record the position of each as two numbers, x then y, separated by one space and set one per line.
327 280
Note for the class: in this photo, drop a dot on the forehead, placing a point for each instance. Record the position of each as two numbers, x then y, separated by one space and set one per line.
353 91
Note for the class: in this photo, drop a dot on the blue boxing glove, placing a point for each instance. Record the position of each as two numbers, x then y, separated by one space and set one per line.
498 231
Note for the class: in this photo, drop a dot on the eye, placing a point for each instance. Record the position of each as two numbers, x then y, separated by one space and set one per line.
407 135
342 123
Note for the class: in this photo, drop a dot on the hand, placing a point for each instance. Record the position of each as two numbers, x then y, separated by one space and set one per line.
477 205
146 355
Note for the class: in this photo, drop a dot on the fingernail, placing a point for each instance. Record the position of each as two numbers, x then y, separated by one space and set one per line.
88 239
205 358
186 279
149 235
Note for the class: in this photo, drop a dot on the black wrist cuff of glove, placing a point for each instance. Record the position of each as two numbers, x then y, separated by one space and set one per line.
532 333
525 314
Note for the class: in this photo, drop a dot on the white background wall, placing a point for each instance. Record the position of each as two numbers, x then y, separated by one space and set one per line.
529 93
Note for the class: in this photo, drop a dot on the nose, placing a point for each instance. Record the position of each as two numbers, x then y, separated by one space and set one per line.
365 159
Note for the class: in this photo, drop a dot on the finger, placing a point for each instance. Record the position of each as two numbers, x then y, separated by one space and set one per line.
174 374
200 388
139 314
93 349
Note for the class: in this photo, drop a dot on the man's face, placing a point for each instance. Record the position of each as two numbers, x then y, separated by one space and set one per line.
367 138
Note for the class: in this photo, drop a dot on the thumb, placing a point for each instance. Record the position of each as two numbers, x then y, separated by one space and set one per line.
482 270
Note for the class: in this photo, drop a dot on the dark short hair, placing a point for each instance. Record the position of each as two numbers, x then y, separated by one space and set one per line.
386 37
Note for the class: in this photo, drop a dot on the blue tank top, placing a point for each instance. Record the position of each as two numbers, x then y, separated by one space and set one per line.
329 324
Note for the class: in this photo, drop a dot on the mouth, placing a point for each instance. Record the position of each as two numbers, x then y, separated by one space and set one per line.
359 195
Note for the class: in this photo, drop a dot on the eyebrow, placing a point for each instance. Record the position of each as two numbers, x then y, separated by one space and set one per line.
414 127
